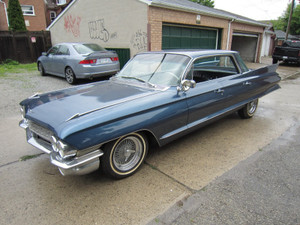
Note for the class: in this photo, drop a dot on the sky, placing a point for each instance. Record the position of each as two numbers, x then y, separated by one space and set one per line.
254 9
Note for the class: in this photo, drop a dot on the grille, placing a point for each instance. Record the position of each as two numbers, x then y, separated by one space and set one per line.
40 131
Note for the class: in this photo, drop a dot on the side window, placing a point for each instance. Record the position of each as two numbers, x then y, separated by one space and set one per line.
63 50
213 67
53 50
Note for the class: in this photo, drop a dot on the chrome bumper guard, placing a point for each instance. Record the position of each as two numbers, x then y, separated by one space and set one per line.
73 166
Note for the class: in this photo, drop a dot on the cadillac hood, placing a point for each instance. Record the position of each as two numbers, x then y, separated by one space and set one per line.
55 109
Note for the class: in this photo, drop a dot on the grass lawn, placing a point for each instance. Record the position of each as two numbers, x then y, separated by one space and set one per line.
9 68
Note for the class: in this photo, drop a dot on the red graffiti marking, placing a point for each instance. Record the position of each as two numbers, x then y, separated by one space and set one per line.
73 25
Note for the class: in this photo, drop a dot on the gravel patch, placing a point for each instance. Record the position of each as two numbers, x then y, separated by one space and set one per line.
16 87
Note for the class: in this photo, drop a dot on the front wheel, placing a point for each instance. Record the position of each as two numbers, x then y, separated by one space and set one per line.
248 110
70 76
123 157
41 69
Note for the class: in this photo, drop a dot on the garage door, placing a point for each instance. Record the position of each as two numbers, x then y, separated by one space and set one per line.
246 45
179 37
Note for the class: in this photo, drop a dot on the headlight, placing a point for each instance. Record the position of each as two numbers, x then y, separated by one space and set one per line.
63 149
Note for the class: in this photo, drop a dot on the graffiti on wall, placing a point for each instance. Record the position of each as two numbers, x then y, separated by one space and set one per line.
72 24
97 30
139 40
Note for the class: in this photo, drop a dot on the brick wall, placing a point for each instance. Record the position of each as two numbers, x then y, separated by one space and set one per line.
36 22
3 20
157 16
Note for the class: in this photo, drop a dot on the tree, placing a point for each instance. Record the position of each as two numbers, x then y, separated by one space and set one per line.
209 3
282 22
15 16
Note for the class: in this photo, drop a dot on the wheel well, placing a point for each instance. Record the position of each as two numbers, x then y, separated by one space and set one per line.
152 141
151 138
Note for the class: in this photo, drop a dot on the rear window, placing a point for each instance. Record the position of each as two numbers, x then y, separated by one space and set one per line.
293 44
87 48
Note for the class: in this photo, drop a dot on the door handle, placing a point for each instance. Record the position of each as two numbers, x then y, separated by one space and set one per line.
219 91
247 83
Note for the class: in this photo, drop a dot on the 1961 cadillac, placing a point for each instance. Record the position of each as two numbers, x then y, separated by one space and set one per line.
157 96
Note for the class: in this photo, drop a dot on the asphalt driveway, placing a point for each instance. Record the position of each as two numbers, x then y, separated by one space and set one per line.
34 192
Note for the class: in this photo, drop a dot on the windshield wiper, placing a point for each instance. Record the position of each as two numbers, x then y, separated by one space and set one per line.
138 79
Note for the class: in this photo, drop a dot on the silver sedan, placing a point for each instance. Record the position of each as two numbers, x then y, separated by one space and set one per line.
78 61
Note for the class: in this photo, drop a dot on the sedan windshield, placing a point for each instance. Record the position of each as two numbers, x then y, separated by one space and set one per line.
87 48
158 69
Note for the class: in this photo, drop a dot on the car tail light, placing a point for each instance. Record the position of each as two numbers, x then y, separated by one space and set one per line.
88 61
114 59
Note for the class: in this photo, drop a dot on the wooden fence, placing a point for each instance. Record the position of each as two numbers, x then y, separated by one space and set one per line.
24 47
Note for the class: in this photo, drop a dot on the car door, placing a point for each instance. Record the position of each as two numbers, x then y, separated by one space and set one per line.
60 60
48 59
205 100
234 86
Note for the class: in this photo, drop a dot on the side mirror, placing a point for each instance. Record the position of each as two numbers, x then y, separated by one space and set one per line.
44 53
185 85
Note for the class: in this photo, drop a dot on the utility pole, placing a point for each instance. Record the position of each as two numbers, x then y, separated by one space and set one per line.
289 23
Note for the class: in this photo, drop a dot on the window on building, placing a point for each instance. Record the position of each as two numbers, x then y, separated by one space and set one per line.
28 10
52 15
60 2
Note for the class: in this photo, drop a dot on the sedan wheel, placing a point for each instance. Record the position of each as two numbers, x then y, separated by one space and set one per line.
70 76
123 157
248 110
41 69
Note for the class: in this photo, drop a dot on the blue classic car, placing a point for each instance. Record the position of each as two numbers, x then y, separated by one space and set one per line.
157 96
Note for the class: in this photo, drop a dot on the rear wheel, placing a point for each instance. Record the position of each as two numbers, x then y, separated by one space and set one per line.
41 69
70 76
275 61
123 157
248 110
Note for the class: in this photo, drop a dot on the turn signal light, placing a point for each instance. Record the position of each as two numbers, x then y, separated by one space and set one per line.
88 61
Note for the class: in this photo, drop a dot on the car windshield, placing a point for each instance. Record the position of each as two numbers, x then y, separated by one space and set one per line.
158 69
87 48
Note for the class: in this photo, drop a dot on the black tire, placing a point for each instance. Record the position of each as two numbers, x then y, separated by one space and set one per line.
275 61
123 157
248 110
70 76
41 69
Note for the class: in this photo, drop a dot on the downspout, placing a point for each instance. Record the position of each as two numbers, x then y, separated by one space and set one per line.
228 33
5 12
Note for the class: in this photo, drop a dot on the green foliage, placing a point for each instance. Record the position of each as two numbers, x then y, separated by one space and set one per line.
282 22
209 3
15 16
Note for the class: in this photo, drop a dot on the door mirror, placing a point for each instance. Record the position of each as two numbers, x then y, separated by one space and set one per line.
186 85
44 53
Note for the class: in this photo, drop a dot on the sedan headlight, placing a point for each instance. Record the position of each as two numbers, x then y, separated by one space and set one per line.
64 150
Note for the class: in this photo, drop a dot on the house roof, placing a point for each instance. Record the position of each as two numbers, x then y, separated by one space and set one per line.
281 35
188 6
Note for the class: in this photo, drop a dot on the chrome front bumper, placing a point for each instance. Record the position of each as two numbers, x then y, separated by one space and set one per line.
80 165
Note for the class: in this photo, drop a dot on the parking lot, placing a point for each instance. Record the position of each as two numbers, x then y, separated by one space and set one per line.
34 192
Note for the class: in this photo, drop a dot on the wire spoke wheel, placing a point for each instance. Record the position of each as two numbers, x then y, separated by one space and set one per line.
123 157
248 110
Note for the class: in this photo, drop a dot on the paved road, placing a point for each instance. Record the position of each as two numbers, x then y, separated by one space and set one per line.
264 189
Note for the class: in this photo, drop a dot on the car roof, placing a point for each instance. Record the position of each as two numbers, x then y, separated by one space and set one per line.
193 53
